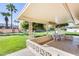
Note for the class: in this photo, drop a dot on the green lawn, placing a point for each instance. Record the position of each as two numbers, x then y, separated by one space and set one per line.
39 34
72 33
12 43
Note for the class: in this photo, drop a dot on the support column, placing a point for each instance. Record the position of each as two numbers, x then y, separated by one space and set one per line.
30 30
47 27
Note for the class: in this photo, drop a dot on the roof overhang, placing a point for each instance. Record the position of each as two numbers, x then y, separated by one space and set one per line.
49 12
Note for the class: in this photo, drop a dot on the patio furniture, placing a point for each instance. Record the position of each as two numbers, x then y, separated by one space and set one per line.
57 37
68 37
62 37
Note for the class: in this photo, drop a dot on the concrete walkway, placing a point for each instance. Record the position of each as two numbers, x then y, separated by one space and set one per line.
23 52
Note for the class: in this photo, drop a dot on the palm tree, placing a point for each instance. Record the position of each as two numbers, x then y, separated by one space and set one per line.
6 18
10 7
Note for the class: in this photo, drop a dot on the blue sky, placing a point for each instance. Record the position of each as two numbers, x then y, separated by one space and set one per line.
19 7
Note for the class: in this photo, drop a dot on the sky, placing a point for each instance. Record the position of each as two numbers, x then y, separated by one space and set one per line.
19 7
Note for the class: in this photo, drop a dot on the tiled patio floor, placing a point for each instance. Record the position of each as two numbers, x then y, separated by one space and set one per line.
23 52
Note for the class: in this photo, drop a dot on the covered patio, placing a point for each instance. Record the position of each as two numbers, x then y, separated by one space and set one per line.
51 14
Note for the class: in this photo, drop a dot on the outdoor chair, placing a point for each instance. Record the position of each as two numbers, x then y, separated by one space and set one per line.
67 37
56 37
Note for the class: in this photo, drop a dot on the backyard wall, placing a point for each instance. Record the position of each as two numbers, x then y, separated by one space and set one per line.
8 30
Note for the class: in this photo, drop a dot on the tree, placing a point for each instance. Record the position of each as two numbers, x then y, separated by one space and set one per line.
61 25
38 26
10 7
25 25
6 17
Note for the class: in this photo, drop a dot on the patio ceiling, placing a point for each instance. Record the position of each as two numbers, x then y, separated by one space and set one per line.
49 12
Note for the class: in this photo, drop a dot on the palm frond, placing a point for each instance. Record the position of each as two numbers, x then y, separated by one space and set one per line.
5 14
11 7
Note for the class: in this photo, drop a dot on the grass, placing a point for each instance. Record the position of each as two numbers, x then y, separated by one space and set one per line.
9 44
72 33
39 34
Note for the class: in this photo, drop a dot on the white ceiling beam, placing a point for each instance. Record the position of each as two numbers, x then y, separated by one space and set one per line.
68 10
